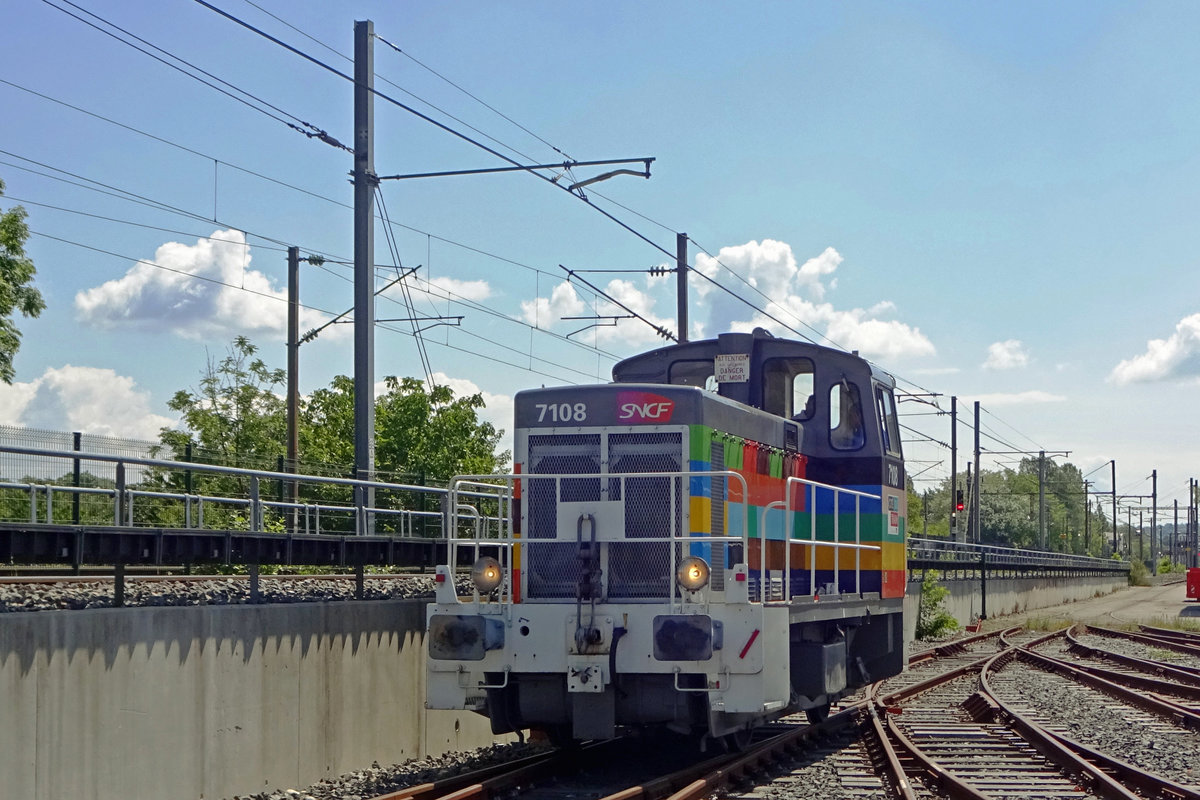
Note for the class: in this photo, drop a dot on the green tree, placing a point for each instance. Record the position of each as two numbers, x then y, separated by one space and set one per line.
17 292
236 413
420 432
1009 509
237 417
1004 517
94 509
916 509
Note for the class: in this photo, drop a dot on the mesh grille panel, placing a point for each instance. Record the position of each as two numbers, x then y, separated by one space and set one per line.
631 569
644 570
553 567
717 516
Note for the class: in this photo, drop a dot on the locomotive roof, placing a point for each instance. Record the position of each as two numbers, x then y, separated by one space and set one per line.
653 366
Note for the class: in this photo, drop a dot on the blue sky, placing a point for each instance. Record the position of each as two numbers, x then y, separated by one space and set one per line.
989 200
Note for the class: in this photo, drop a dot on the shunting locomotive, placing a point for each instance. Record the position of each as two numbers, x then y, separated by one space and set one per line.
711 541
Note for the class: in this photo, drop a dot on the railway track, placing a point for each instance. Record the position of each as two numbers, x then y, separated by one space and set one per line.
949 739
962 725
966 731
849 755
1075 705
629 770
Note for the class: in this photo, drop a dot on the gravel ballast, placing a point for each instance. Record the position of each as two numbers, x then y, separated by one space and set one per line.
1107 724
378 780
141 592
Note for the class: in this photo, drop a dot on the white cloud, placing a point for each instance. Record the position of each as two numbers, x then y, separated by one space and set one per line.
1175 357
816 268
768 266
1009 354
564 301
201 291
444 288
545 312
790 292
876 338
85 399
794 294
933 371
498 408
14 399
1017 398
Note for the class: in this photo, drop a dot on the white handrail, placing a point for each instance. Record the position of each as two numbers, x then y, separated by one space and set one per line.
506 487
812 541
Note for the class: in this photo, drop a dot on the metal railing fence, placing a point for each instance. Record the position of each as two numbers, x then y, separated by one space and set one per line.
160 506
954 554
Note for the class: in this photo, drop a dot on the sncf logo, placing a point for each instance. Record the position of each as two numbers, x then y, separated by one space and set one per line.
643 407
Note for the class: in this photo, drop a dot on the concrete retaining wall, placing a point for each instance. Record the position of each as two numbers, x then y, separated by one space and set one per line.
1009 596
209 702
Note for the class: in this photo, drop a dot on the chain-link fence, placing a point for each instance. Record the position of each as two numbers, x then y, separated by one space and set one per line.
16 468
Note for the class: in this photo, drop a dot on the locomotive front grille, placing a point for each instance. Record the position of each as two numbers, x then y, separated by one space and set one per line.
653 508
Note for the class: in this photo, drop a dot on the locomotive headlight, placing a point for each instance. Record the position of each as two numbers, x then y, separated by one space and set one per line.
692 573
486 574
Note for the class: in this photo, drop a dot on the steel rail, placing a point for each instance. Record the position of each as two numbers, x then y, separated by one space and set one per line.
1131 680
927 769
902 786
1037 736
940 776
427 791
1163 708
497 779
1187 637
691 782
1099 764
703 784
908 692
932 773
952 648
1178 672
1155 785
1154 641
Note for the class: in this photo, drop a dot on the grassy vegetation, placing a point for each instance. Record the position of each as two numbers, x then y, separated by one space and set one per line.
1047 624
1175 623
1159 654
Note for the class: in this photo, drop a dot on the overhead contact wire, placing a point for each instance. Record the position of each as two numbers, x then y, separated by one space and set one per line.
300 125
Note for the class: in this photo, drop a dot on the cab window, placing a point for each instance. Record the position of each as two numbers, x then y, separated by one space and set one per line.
788 388
889 424
845 417
699 373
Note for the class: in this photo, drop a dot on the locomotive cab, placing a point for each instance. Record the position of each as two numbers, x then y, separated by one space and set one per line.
709 542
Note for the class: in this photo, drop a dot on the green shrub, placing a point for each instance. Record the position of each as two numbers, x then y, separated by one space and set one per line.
933 620
1166 566
1138 574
